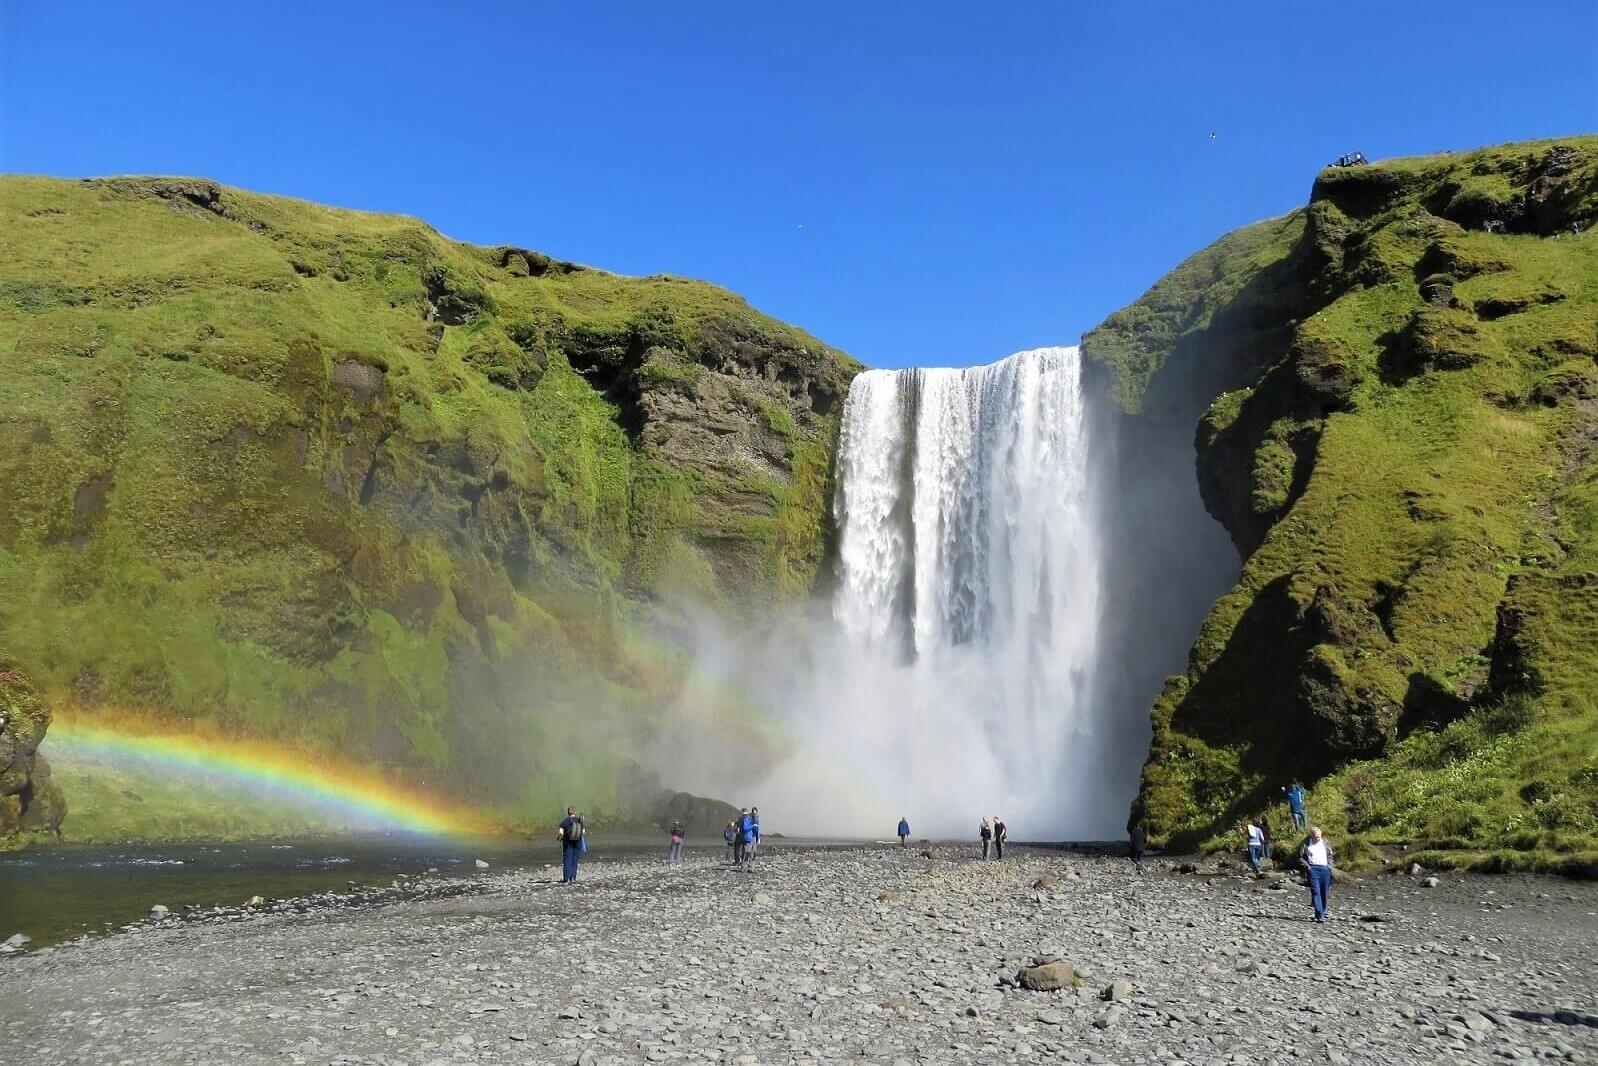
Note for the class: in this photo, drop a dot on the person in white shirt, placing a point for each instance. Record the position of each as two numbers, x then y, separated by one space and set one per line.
1316 855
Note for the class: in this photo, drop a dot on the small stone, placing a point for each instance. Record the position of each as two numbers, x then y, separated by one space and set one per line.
887 897
1043 884
159 911
569 1014
1052 1017
1110 1017
1415 869
15 942
1118 989
1431 882
254 901
762 900
480 864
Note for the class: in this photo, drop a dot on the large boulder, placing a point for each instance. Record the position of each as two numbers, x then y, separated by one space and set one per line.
1048 977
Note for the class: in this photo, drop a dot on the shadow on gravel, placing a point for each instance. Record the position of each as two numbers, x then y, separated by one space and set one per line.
1557 1017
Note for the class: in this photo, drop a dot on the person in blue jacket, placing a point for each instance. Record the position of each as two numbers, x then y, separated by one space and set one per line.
754 816
1295 803
748 833
904 831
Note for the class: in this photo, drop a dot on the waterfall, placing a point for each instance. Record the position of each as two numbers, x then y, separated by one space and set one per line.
968 595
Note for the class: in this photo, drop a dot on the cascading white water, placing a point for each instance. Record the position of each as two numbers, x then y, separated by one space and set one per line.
969 596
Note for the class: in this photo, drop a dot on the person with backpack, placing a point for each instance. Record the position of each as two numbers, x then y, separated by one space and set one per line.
1138 844
904 831
1256 845
1001 833
986 832
674 856
729 833
1316 857
573 842
748 833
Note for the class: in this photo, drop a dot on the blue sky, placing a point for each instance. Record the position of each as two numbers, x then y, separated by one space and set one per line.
921 183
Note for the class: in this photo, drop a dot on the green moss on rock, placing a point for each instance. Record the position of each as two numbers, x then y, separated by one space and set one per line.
1401 445
332 479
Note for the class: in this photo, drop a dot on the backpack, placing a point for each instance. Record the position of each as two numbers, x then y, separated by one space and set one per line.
575 833
727 834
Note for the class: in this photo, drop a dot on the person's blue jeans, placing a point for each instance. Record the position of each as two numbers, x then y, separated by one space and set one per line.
1320 887
1300 820
568 859
1255 853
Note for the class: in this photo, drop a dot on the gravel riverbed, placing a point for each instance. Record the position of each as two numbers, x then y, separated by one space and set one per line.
875 955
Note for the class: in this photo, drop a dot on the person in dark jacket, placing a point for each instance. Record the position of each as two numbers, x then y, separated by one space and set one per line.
986 833
729 833
904 831
1001 833
740 826
571 832
1138 844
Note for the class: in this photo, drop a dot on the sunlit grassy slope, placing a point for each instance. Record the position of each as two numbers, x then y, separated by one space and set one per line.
330 478
1401 443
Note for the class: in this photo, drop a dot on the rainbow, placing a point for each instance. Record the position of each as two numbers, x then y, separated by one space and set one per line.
343 796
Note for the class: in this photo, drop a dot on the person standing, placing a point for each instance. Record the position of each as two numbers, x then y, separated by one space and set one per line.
729 833
1138 844
1001 833
1316 855
740 825
1256 845
904 830
754 843
746 838
674 856
1265 835
986 832
1295 804
572 834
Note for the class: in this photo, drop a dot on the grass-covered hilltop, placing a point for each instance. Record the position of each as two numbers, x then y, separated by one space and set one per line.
1402 416
330 479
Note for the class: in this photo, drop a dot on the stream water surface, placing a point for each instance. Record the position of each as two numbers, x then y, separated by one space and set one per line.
57 893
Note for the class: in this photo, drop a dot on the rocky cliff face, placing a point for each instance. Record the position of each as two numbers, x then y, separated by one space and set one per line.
29 800
1402 409
331 478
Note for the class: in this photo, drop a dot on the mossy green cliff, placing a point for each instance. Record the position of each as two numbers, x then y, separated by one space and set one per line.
1402 415
330 478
